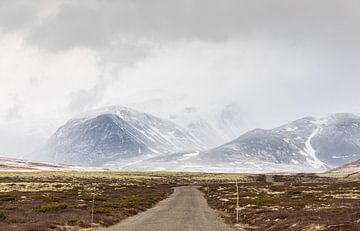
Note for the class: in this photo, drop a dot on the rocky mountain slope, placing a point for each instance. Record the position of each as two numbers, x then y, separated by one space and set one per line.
307 144
122 138
115 134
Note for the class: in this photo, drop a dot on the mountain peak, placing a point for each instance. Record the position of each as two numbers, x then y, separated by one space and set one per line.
115 134
113 109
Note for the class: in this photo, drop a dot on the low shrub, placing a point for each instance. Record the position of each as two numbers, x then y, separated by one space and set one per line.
72 221
51 207
97 197
2 215
7 197
102 211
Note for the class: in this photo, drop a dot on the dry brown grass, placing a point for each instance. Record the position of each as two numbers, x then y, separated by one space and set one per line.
302 202
51 200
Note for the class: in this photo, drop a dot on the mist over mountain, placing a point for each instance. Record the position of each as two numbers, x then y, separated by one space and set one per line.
182 61
215 127
123 138
115 134
308 144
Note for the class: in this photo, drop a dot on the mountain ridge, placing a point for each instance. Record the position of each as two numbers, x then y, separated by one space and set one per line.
122 138
296 146
115 133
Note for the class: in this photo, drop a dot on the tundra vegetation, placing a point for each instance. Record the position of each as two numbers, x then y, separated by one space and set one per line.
289 202
64 200
71 200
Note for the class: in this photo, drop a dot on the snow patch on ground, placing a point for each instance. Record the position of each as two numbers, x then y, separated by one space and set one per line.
17 165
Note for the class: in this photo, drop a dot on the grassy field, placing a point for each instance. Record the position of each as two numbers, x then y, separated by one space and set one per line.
67 200
64 200
289 202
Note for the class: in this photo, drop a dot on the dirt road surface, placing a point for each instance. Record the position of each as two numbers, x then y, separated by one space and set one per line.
185 210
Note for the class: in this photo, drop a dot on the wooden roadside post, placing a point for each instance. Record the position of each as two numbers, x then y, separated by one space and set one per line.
237 202
92 208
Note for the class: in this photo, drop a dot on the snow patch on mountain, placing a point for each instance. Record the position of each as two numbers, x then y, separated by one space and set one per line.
122 138
307 142
115 134
189 156
310 152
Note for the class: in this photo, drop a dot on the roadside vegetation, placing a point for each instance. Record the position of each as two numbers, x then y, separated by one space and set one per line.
84 200
71 200
290 202
81 200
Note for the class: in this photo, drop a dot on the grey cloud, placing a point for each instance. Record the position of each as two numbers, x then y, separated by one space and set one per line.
123 53
72 26
100 23
83 100
279 59
16 14
125 32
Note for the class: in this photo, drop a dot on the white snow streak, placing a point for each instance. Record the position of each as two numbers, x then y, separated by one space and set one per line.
189 156
311 153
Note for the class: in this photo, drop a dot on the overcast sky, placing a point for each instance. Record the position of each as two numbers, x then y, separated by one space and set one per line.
279 60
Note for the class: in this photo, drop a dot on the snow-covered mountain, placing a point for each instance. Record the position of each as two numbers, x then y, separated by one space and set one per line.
215 127
122 138
307 144
115 134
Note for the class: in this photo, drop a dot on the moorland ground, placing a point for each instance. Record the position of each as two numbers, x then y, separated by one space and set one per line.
67 200
289 202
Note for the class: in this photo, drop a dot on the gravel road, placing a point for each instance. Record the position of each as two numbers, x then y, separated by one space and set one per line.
185 210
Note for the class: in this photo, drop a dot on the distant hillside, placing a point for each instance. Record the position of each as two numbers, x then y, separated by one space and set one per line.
348 170
9 164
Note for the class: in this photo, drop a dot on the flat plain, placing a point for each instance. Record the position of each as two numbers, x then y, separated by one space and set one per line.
79 200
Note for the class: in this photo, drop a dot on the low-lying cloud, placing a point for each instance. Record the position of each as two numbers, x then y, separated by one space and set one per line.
279 60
